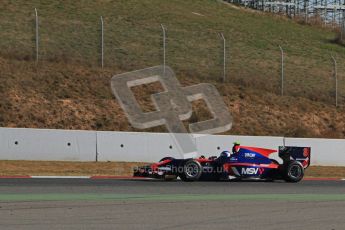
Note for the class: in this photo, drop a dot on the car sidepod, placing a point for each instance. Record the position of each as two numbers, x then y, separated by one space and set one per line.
253 163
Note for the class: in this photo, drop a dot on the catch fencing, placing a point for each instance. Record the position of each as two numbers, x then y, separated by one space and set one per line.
212 55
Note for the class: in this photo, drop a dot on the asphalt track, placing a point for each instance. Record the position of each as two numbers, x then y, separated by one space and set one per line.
134 204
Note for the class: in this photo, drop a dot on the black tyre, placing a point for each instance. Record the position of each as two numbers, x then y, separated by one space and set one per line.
294 171
166 158
192 171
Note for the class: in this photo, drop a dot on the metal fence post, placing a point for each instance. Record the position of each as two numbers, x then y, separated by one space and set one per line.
164 37
342 26
37 38
224 56
336 80
282 70
306 5
102 42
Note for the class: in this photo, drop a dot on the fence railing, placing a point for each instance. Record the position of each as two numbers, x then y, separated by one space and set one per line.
209 55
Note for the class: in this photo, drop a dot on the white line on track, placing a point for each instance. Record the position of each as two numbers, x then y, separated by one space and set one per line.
62 177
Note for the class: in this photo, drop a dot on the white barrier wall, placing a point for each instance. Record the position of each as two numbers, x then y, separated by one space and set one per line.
45 144
323 151
74 145
132 146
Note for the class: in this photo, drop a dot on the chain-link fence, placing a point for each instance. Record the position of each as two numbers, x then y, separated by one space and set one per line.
192 52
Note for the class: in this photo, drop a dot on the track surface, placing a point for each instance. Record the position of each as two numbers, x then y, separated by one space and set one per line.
129 204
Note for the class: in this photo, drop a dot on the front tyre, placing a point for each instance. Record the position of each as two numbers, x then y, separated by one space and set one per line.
192 171
294 172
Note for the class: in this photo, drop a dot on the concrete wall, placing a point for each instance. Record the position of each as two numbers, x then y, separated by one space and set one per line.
74 145
132 146
323 151
44 144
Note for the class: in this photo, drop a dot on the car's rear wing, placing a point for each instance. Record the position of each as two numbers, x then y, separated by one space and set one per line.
301 154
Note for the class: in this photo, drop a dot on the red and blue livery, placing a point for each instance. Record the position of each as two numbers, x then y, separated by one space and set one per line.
244 163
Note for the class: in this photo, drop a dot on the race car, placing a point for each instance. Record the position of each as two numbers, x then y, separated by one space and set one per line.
244 163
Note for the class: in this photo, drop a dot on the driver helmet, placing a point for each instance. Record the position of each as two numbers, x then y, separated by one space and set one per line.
225 154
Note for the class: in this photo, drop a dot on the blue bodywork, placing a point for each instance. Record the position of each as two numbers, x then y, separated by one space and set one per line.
247 162
251 162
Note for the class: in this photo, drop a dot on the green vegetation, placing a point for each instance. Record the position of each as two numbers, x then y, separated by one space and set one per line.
67 89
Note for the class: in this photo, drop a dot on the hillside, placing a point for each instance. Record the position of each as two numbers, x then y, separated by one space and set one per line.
68 89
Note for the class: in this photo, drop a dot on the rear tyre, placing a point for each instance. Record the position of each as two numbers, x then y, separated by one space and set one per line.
294 171
192 171
166 158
